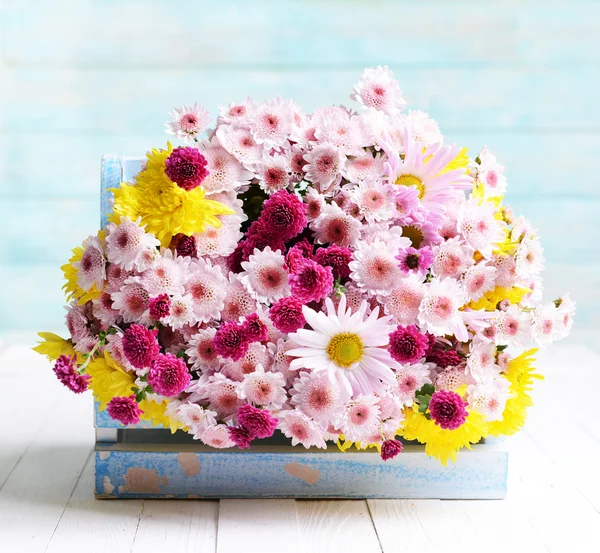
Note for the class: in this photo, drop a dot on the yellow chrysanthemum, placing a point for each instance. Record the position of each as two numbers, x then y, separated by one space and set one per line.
493 297
165 208
109 379
71 288
521 374
53 346
440 443
155 413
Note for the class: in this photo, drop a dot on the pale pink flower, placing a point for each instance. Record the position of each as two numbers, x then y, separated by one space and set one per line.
489 398
257 355
273 173
374 268
238 300
207 288
217 436
272 122
333 226
404 300
479 228
375 201
181 313
361 417
341 130
324 164
513 327
422 128
237 112
266 389
478 280
546 326
378 89
439 310
222 395
452 258
132 303
166 276
481 362
317 396
219 242
91 268
410 379
188 122
201 352
362 167
490 174
239 142
265 276
301 429
225 172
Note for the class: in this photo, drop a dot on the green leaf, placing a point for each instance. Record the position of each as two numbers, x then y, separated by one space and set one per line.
501 348
426 390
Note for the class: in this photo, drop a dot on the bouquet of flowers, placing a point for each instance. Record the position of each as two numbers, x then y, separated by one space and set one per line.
342 276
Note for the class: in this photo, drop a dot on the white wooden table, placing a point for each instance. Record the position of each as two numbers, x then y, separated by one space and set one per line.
47 503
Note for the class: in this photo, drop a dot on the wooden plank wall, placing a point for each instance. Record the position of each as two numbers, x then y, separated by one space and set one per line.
78 79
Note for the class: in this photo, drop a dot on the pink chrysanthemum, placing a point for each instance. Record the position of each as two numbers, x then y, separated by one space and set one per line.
415 261
287 315
317 396
311 281
188 122
255 328
447 409
379 90
159 307
264 388
411 378
404 300
238 301
374 268
283 214
207 288
273 173
186 167
297 254
65 371
185 246
256 355
407 344
390 448
444 358
272 122
217 436
168 375
124 409
264 275
334 226
240 436
258 422
201 351
225 172
231 341
91 268
103 310
140 345
301 429
239 142
361 417
315 202
374 200
222 395
324 164
336 257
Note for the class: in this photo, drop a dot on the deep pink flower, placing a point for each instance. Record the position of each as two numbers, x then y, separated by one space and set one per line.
297 254
186 167
140 345
286 314
336 257
235 258
256 330
159 307
66 372
231 341
240 436
444 358
283 215
390 448
124 409
259 240
168 375
413 261
431 339
311 281
407 344
185 246
258 422
447 409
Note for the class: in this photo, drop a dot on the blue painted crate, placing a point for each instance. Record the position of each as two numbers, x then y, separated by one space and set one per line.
143 462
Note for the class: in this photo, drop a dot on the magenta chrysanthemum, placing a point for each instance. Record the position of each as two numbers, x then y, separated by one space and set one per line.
447 409
65 371
336 257
390 448
444 358
415 261
311 281
186 167
231 341
124 409
256 330
140 345
159 307
168 375
258 422
185 246
407 344
287 315
284 215
297 254
258 237
240 436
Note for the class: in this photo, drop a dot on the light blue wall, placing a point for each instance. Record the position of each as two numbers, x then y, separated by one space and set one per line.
80 78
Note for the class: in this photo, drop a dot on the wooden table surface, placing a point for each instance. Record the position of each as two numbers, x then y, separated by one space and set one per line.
47 502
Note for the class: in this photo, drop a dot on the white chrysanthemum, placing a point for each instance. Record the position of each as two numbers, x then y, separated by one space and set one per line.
521 227
489 398
341 130
404 299
181 313
481 362
239 142
374 268
132 303
125 242
410 379
257 355
491 174
529 257
334 226
196 418
273 173
378 89
222 395
266 389
301 429
478 280
506 270
217 436
272 123
91 268
347 345
422 128
238 300
237 112
207 288
317 396
225 172
566 312
188 122
148 255
264 275
324 164
219 242
451 258
439 310
363 167
479 228
201 351
361 418
167 275
315 202
545 324
374 200
513 327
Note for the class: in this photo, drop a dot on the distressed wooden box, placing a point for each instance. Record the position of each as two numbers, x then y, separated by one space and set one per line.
144 462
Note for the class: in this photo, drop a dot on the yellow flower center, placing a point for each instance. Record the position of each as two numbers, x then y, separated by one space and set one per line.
411 180
345 349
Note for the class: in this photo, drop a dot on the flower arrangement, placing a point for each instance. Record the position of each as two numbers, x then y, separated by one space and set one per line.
340 277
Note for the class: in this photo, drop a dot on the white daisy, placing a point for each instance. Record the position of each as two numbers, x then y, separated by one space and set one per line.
324 164
225 173
91 268
378 89
301 429
374 267
347 345
334 226
207 288
317 396
264 275
266 389
361 418
439 310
